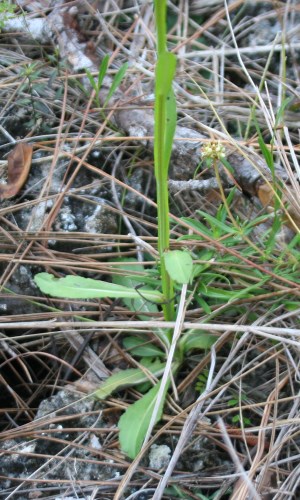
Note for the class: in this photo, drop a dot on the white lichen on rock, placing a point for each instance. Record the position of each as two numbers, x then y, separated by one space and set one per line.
159 456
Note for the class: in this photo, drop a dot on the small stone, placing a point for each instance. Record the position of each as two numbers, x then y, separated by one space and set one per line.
159 456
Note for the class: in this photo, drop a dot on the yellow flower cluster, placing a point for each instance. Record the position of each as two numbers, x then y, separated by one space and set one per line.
213 150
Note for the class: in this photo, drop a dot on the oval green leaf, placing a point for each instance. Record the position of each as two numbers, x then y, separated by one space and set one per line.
179 265
135 421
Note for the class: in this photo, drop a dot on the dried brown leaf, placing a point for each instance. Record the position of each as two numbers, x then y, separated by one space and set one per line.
266 196
19 162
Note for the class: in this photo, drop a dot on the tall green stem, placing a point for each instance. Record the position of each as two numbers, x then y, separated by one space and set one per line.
162 198
160 18
164 129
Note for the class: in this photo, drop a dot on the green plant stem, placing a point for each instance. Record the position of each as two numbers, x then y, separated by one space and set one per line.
160 7
163 206
161 159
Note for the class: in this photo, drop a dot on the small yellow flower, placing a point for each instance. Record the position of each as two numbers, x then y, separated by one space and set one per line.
213 150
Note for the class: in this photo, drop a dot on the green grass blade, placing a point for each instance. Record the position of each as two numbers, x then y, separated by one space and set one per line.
116 82
102 70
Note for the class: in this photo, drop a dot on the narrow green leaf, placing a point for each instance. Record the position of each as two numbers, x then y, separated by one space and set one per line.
202 303
179 265
217 223
171 120
135 421
208 277
268 156
165 115
227 165
127 378
116 82
102 70
218 293
199 269
76 287
280 112
249 291
164 73
195 224
140 347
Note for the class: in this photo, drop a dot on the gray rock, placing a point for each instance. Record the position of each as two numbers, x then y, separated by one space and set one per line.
159 456
70 451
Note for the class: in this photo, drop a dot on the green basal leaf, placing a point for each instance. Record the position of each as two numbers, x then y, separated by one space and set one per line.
135 421
197 339
139 304
179 265
76 287
127 378
144 387
140 347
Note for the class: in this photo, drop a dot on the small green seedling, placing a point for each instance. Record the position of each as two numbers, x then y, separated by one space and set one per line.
96 84
238 419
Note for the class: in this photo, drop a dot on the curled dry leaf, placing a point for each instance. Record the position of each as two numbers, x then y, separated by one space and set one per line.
19 162
266 196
